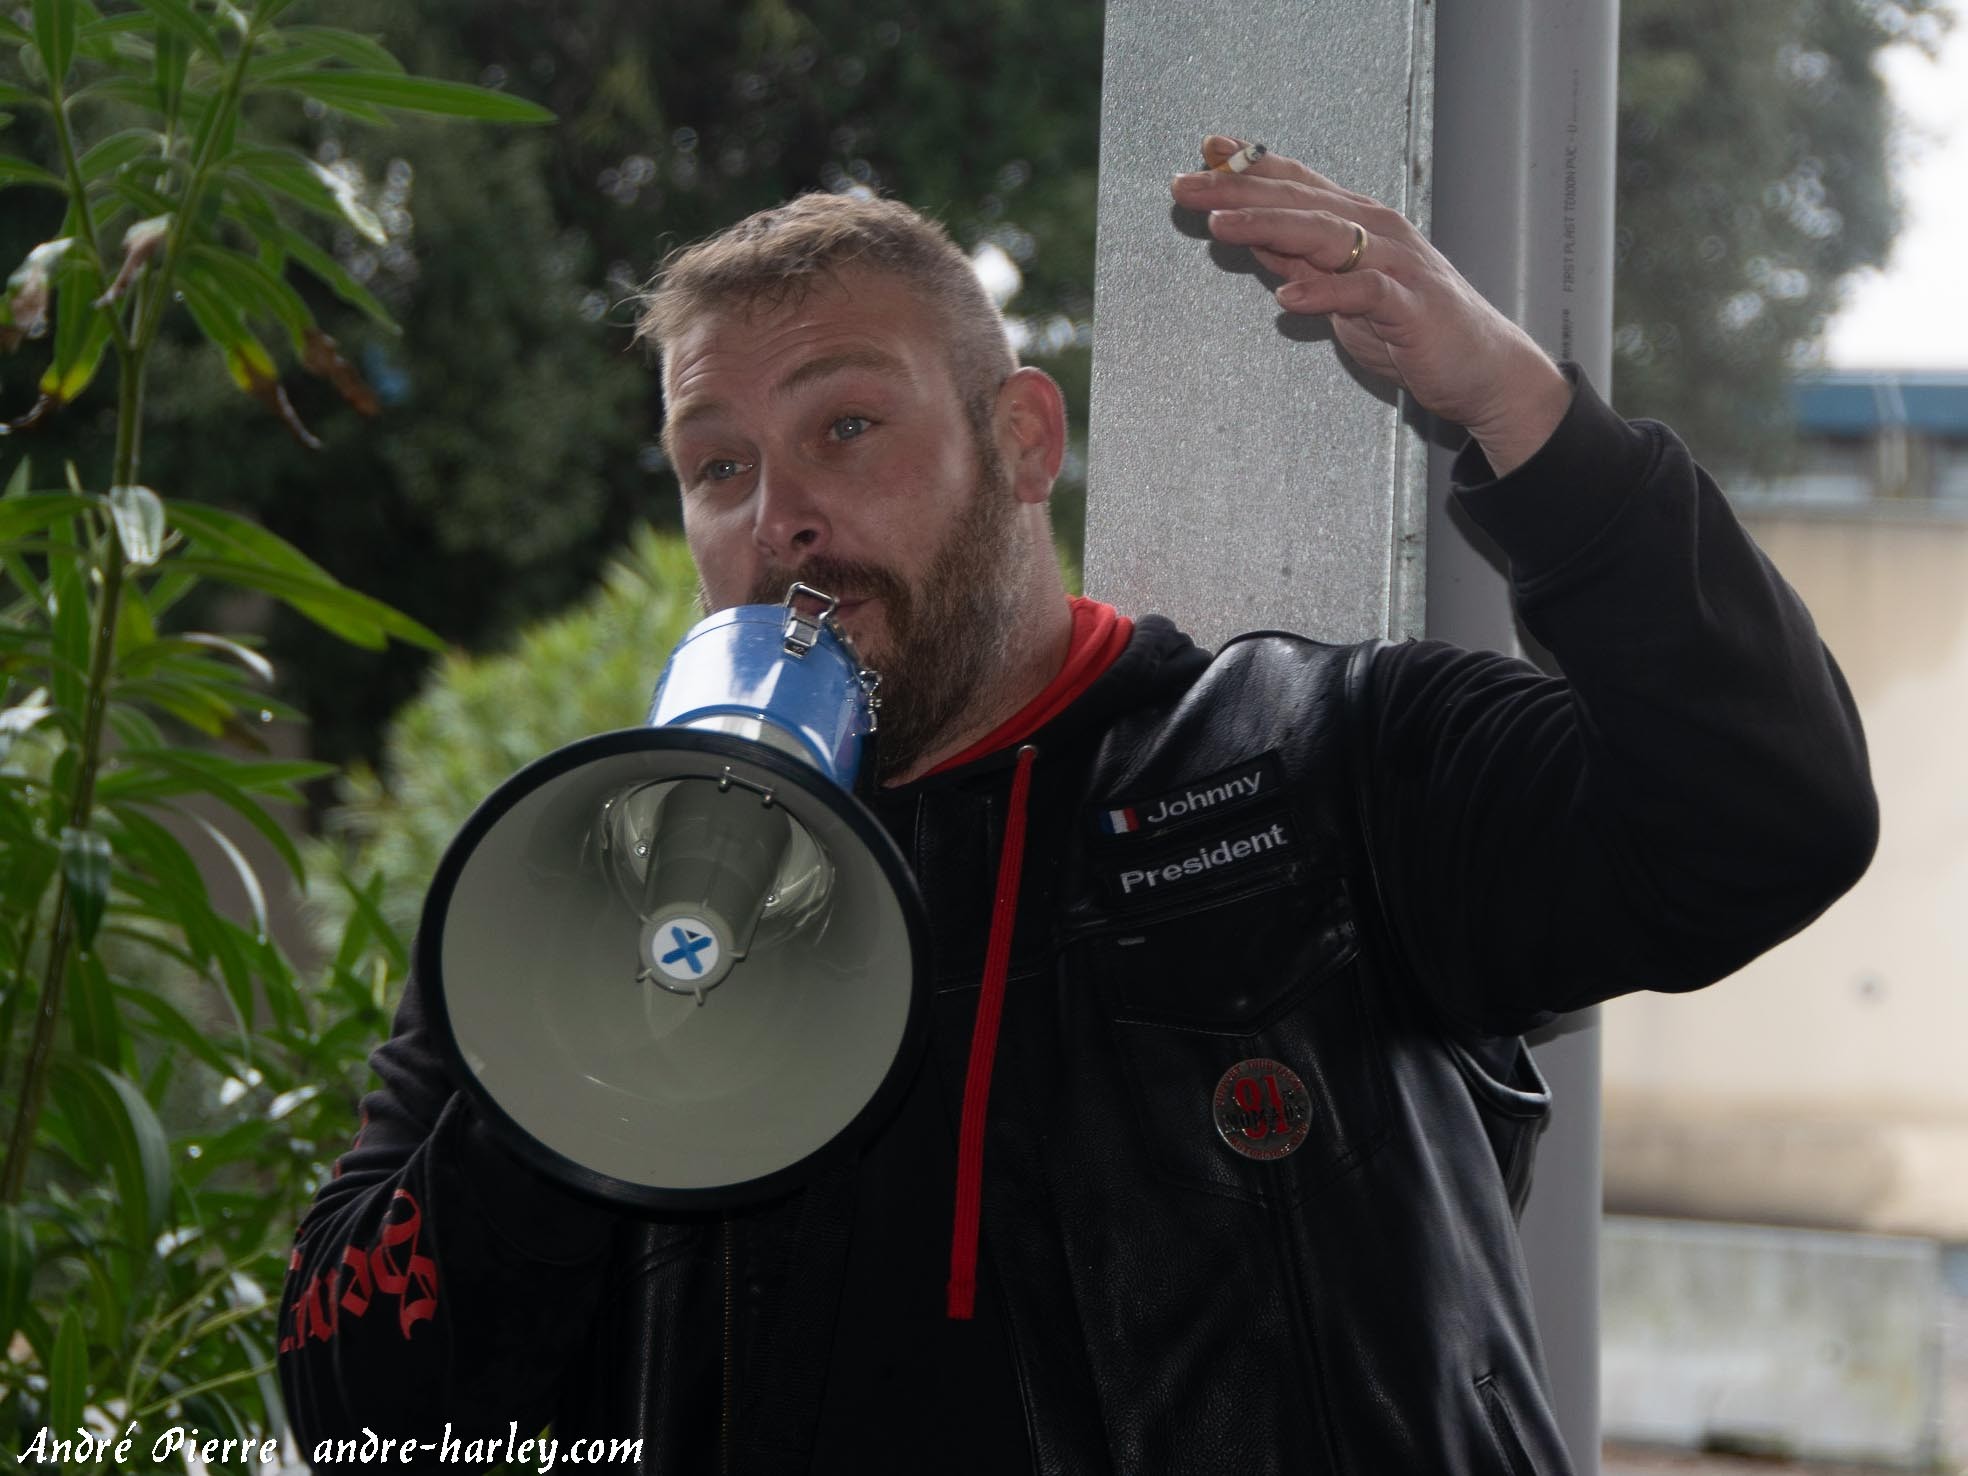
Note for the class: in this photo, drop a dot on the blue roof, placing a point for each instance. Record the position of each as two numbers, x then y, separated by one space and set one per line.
1860 402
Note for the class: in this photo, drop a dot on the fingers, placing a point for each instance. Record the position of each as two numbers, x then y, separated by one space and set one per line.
1315 238
1350 295
1218 148
1273 181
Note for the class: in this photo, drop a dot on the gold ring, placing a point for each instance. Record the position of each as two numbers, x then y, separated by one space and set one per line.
1359 245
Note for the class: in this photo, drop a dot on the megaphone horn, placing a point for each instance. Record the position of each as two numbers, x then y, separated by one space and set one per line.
681 966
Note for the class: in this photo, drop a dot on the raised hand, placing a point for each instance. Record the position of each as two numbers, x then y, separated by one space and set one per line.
1396 305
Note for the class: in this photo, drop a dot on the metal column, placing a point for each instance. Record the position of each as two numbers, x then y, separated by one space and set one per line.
1244 477
1524 104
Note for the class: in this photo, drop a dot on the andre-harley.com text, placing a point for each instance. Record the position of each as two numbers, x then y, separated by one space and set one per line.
92 1447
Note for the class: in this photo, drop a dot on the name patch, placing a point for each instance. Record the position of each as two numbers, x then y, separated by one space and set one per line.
1206 798
1256 844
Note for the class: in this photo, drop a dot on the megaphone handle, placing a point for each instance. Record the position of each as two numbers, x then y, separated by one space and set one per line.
864 778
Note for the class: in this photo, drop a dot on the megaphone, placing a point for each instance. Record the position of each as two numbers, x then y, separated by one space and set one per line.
681 966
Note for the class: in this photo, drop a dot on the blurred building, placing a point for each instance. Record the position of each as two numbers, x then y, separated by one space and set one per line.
1827 1083
1819 1098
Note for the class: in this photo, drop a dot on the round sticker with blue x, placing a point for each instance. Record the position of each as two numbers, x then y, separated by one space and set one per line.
686 949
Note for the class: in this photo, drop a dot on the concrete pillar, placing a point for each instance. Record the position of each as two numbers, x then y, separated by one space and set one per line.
1239 476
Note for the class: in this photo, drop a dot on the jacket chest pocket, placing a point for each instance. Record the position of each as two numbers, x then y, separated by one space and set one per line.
1253 1054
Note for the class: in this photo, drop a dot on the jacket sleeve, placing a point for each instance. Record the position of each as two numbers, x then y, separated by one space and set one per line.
1693 791
435 1280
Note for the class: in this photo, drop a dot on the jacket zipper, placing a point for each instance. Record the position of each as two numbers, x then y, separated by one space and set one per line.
724 1426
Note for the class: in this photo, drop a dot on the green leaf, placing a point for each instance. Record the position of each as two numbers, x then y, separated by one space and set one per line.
81 330
16 1269
215 777
171 586
143 841
86 866
108 1106
194 103
139 516
243 279
78 371
368 910
135 630
27 865
143 201
12 31
113 152
331 274
91 1011
300 179
277 567
177 18
168 73
133 22
249 879
19 171
417 95
195 708
245 655
356 618
168 1021
158 773
71 619
222 322
132 727
54 35
348 46
32 511
68 1367
176 896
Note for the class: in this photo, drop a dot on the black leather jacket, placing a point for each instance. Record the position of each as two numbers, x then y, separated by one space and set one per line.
1439 850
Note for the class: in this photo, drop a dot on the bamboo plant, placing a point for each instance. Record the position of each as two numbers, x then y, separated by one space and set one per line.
140 1254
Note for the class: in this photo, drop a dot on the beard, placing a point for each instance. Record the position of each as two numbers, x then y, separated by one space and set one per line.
944 638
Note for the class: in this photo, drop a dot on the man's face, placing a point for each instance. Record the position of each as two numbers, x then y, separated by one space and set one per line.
826 441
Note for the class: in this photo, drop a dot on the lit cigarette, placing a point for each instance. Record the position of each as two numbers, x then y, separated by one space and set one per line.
1238 162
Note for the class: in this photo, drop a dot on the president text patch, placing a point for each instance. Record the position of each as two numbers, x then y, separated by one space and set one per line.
1200 799
1220 854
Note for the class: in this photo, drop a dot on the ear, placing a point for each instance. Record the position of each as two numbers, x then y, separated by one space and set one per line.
1031 430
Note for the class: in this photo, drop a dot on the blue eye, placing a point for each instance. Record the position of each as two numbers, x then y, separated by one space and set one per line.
847 427
721 470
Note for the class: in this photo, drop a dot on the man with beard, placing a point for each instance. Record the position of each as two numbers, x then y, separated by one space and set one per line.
1233 953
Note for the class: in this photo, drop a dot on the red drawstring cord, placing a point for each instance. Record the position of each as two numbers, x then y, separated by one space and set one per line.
984 1049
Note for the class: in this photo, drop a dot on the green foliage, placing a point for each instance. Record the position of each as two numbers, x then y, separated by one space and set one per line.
515 445
479 719
173 1084
1753 181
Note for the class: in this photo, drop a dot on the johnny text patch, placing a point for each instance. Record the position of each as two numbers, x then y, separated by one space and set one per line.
1200 799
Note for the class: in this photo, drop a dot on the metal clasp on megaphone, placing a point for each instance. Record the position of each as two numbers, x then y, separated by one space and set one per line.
803 630
803 634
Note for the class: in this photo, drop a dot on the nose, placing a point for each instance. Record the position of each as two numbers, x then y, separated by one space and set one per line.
789 524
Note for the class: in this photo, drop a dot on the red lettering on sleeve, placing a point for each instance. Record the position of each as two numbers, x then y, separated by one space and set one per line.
393 1264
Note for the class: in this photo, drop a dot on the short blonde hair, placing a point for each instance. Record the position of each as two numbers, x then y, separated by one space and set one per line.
774 257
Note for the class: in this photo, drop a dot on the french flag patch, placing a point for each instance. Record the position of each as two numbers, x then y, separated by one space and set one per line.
1119 822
